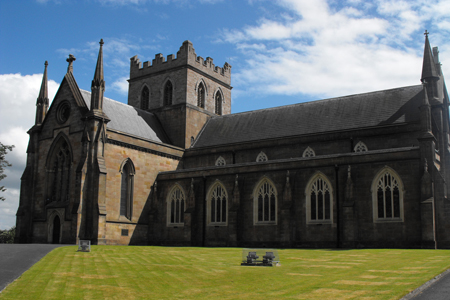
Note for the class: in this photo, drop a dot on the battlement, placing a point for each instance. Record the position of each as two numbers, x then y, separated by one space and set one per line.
185 56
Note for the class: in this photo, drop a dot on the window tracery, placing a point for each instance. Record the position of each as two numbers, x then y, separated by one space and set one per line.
261 157
220 161
387 195
360 147
309 152
265 203
217 205
176 206
58 172
319 200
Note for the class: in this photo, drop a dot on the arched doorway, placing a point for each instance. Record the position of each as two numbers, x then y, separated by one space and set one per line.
56 230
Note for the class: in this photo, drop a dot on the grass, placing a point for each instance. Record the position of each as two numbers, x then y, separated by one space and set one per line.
116 272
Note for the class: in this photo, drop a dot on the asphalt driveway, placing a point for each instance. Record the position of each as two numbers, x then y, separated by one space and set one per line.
17 258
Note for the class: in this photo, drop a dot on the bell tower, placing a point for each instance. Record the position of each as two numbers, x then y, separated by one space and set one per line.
183 91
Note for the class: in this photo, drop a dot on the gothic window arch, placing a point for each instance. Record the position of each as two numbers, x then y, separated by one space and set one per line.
218 99
201 95
145 98
127 171
220 161
387 196
176 203
309 152
58 170
261 157
360 147
265 202
168 93
217 205
319 200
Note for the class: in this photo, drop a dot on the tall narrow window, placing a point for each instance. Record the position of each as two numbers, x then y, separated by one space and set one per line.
58 172
319 199
126 189
218 104
265 203
387 196
217 205
175 207
201 95
168 93
145 98
360 147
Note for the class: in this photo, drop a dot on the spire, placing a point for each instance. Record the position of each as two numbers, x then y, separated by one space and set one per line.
42 100
429 66
98 84
70 60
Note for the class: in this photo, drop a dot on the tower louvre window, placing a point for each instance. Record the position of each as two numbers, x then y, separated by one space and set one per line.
145 98
168 93
201 95
218 104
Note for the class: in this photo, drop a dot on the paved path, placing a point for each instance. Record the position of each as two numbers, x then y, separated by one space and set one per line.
435 289
17 258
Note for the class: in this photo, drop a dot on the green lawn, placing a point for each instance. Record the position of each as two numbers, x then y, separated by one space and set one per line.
119 272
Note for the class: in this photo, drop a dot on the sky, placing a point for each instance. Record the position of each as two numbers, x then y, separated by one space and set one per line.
281 51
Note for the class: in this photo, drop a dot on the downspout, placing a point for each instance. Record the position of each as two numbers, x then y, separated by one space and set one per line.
338 232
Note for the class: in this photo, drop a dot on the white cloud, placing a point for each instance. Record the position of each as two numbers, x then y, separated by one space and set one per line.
18 94
324 49
121 85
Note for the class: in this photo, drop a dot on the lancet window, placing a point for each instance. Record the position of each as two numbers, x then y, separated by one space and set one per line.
218 104
387 195
145 98
176 206
217 205
319 199
168 93
201 95
58 172
126 189
265 203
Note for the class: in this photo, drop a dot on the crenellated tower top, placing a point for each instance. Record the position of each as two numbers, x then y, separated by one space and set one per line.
185 56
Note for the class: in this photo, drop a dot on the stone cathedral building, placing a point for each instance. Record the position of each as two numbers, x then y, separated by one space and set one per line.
174 166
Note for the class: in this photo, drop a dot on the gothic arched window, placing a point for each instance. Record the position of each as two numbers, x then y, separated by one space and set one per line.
360 147
201 95
175 207
387 196
261 157
218 104
319 200
168 93
126 189
145 98
265 203
309 152
220 161
217 205
58 172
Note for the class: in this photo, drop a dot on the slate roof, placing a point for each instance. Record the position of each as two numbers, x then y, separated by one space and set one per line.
387 107
131 120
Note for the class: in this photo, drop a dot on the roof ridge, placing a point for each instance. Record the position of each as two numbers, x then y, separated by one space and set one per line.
314 101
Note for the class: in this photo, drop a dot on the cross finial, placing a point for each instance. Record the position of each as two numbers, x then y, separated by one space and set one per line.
426 33
70 60
101 42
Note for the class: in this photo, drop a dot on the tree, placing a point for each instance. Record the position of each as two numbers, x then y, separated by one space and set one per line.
3 164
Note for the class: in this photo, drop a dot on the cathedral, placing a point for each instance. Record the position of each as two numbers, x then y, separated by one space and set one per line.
175 167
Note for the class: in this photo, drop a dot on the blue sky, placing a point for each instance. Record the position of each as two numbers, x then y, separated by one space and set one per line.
281 52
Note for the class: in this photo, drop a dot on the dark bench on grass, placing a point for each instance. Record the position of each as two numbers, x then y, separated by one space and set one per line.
252 257
268 258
